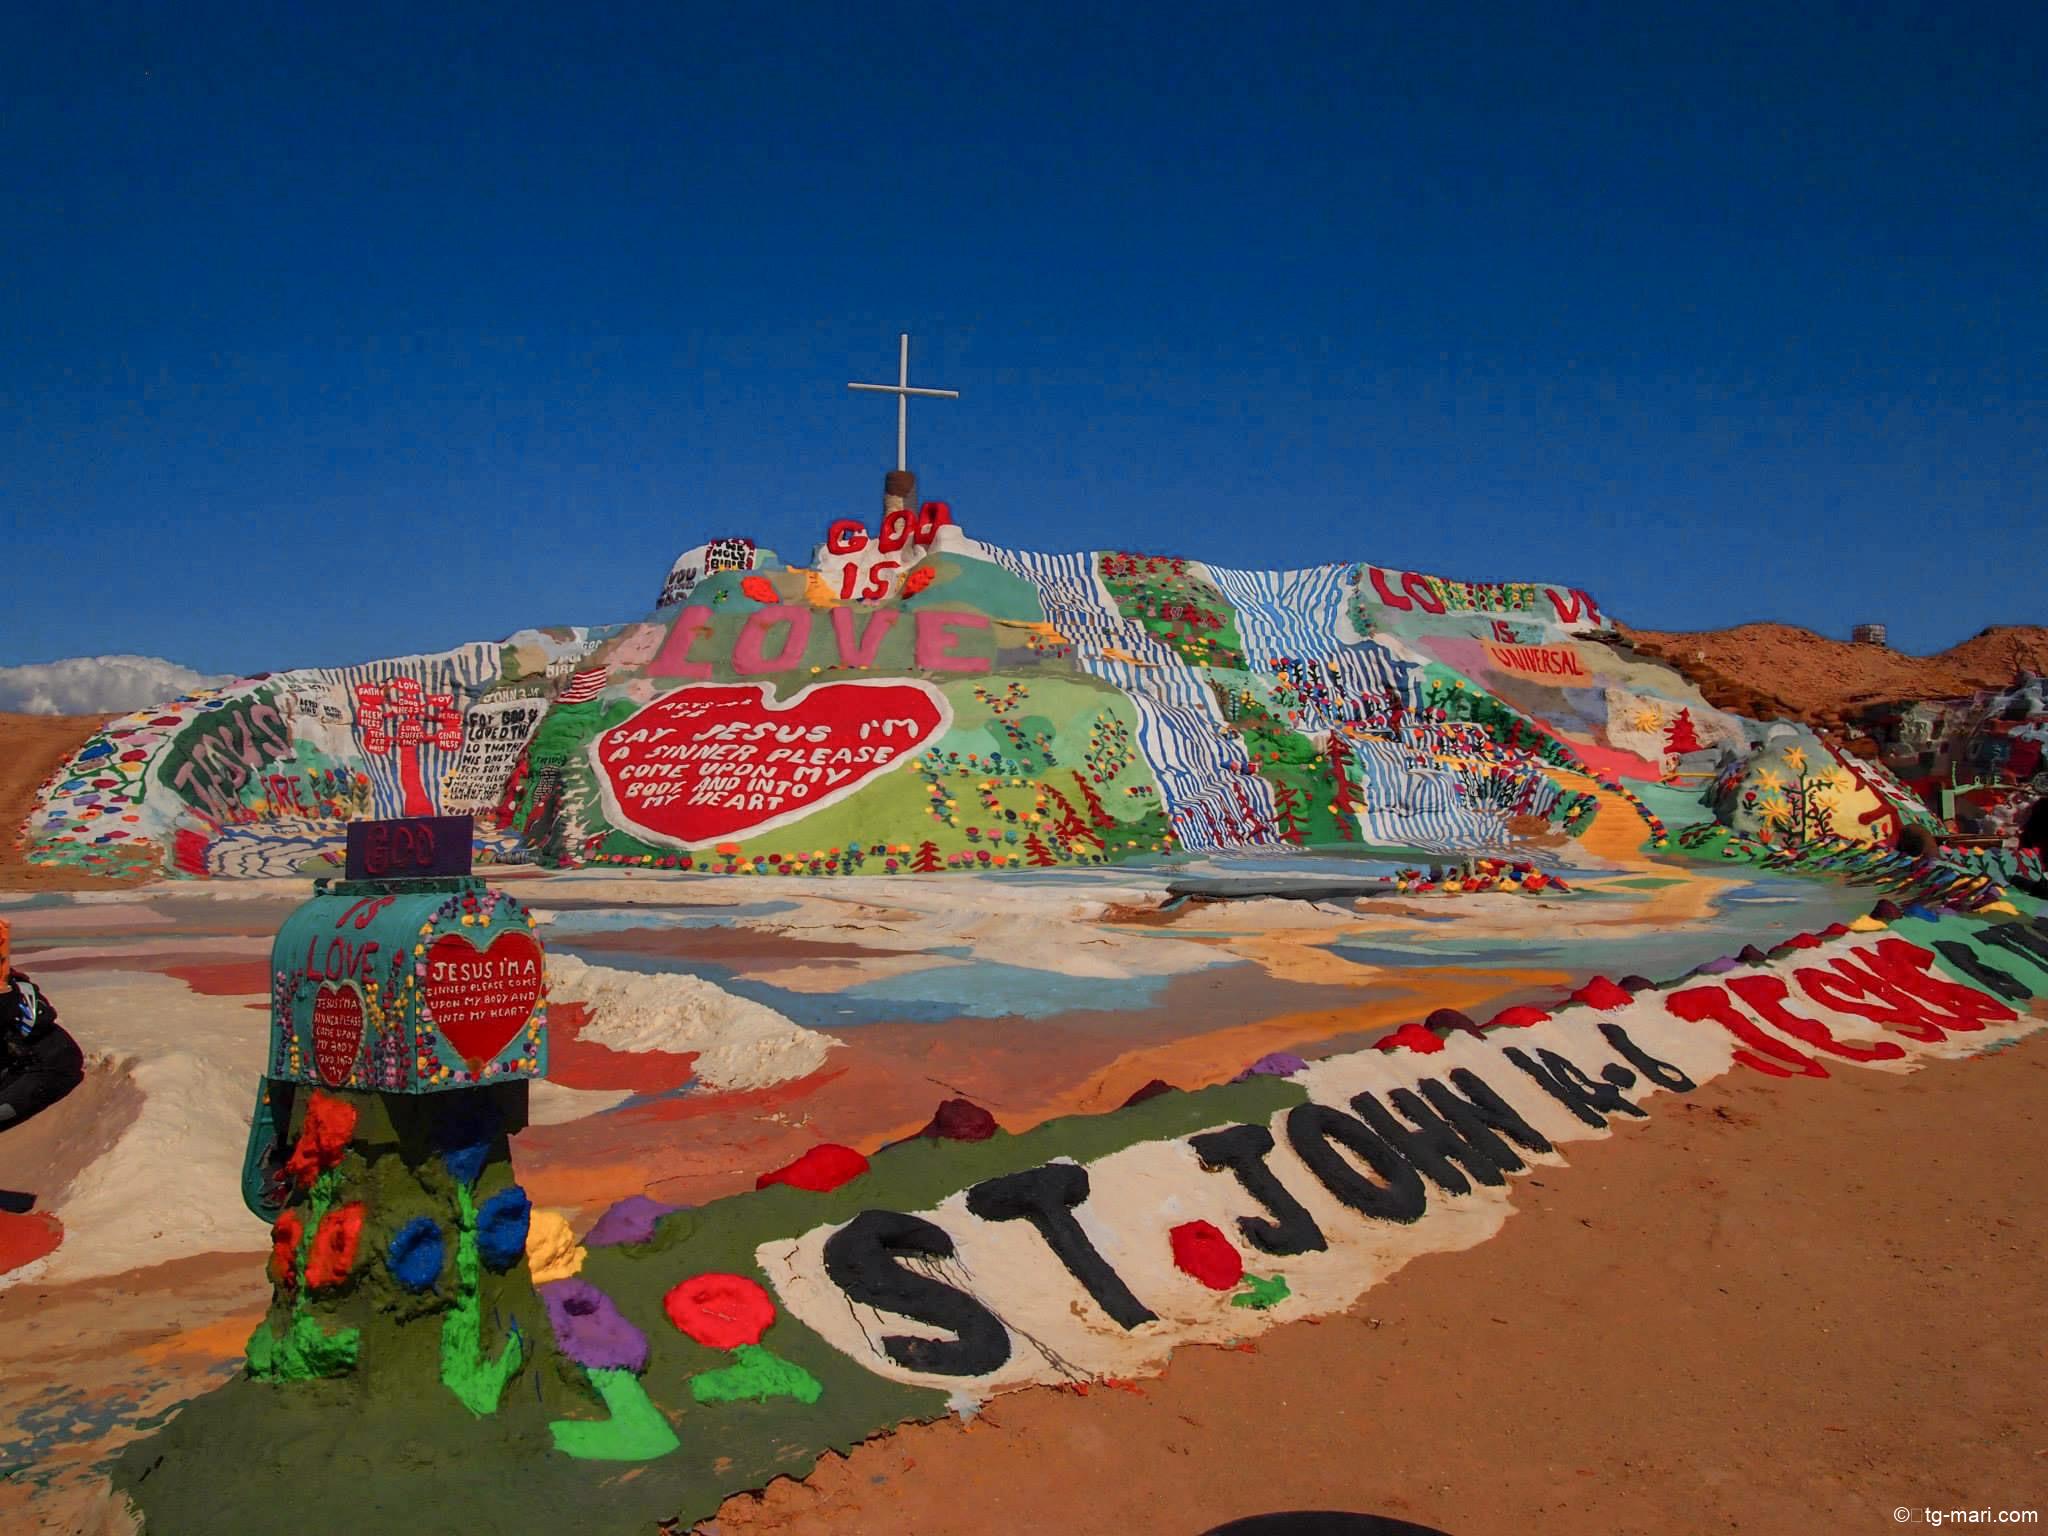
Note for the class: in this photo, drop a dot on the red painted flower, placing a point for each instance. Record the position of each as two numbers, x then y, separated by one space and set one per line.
1410 1037
1602 993
826 1166
334 1246
1199 1249
285 1235
918 580
758 588
323 1139
720 1311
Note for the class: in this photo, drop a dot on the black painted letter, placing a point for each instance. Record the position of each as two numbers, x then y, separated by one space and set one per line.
1566 1082
860 1258
1430 1144
1480 1114
1662 1073
1311 1128
1242 1149
1046 1198
1989 977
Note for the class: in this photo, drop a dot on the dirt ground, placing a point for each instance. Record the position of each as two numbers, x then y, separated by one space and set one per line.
1768 670
1775 1306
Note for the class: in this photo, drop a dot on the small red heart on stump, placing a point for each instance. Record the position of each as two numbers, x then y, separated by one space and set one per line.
337 1032
481 999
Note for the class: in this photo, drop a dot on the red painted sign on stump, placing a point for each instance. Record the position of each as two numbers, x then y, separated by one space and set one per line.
337 1032
481 999
725 761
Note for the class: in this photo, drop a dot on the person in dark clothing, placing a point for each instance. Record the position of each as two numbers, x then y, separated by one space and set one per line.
39 1062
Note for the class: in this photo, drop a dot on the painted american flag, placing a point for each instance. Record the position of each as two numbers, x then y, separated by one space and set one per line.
584 685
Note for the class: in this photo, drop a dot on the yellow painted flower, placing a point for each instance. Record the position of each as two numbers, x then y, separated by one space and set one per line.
1795 759
1769 780
1774 810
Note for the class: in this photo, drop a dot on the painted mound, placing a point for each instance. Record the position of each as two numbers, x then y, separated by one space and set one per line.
959 706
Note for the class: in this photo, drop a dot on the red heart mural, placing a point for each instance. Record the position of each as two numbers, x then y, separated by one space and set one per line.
480 999
718 761
337 1032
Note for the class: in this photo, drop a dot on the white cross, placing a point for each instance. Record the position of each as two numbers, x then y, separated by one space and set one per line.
902 391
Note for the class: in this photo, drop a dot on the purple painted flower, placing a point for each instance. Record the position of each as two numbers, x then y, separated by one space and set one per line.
1274 1064
589 1328
631 1220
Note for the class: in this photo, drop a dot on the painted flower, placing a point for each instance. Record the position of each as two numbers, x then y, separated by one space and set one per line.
720 1311
286 1233
334 1247
1769 780
1795 759
416 1254
501 1226
323 1139
589 1328
1774 810
1202 1251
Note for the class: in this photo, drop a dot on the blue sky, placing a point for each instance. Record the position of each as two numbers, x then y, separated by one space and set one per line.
347 331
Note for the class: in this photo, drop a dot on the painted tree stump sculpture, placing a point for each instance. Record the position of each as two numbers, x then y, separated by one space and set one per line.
407 1017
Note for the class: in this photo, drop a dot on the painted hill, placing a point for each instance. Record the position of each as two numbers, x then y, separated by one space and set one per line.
930 703
33 751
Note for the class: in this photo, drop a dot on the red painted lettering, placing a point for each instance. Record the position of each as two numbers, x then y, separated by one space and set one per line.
749 659
861 652
1418 588
1696 1005
931 517
1581 604
1863 994
1379 585
1766 995
878 579
937 635
673 658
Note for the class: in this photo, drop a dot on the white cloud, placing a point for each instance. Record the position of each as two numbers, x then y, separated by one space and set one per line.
96 685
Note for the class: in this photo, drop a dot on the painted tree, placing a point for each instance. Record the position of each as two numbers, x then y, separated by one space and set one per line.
1255 828
1096 813
1680 738
1070 825
927 860
1346 798
1287 811
1037 853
